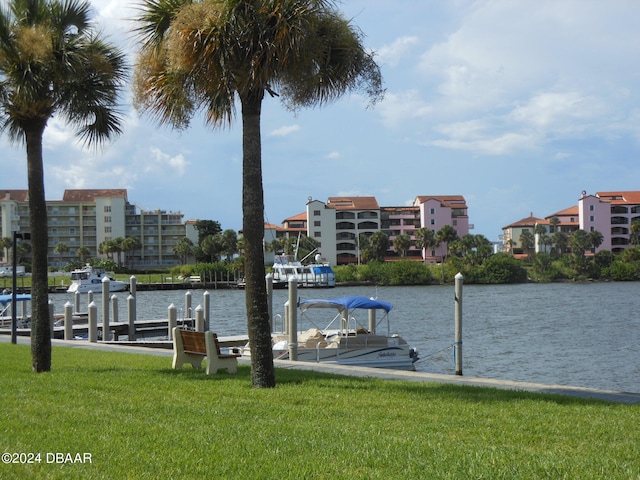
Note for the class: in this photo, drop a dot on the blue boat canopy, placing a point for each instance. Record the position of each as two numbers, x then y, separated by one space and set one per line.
21 297
350 302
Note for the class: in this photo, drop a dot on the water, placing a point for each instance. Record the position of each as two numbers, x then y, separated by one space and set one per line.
568 334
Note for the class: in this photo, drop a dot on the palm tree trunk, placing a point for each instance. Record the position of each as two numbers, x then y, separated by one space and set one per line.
262 370
40 323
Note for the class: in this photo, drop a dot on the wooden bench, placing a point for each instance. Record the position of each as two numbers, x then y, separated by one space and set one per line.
192 347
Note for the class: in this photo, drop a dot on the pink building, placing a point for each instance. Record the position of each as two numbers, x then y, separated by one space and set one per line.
611 214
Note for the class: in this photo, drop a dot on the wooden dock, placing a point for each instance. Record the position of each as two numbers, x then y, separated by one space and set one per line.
144 329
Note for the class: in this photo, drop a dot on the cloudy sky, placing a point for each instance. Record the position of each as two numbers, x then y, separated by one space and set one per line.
517 105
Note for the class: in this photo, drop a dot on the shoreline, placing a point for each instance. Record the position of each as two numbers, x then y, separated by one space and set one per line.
630 398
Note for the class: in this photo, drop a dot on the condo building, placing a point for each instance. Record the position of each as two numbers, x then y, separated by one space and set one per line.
88 218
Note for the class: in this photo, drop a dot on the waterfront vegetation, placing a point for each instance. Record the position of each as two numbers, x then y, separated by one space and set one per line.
499 268
138 418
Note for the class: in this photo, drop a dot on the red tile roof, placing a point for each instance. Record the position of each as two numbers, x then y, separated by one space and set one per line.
454 201
91 195
354 203
529 221
16 195
624 197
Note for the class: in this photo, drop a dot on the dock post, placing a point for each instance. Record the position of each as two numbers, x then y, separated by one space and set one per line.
76 302
89 297
51 316
93 322
206 298
68 321
199 319
133 282
106 284
187 305
269 281
293 319
114 309
458 330
131 310
173 319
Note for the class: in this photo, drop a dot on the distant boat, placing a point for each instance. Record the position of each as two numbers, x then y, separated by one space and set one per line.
90 278
318 274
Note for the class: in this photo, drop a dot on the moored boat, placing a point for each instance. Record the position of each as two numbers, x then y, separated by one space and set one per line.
346 340
316 274
90 278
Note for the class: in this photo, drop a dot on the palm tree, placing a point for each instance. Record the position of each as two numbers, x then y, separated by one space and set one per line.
595 239
402 244
52 62
83 254
206 55
6 244
61 248
425 240
183 248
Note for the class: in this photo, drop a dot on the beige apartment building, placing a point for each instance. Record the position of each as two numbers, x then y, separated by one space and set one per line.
87 218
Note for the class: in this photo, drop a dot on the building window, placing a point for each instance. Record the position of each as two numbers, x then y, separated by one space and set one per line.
317 234
592 218
316 223
107 229
432 221
107 208
107 219
316 213
592 208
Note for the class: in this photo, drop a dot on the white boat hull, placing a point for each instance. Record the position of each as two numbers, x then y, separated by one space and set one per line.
114 286
396 357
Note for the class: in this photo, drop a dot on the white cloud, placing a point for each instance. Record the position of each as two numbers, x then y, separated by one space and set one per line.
284 131
165 164
334 155
394 53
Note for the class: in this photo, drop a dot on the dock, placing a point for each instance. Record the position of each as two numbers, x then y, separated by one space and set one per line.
144 329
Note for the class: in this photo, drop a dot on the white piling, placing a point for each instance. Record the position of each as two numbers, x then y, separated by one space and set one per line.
76 301
199 319
269 281
458 341
173 319
106 284
293 319
93 322
68 321
89 297
187 305
131 312
133 282
206 299
114 308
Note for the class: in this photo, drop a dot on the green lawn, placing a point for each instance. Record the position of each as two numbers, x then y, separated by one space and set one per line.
139 419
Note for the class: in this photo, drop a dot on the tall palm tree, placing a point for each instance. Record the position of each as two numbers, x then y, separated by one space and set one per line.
207 54
52 62
425 240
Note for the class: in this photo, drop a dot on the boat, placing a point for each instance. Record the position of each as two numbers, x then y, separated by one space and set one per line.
318 274
89 278
6 302
346 340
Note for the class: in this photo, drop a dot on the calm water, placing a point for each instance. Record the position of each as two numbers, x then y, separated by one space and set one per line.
570 334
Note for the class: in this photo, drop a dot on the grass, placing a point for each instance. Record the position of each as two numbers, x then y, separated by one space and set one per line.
139 419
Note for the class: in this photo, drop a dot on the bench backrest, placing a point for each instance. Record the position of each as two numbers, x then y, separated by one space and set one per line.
193 342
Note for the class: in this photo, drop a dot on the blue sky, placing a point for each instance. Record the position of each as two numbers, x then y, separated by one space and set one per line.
517 105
